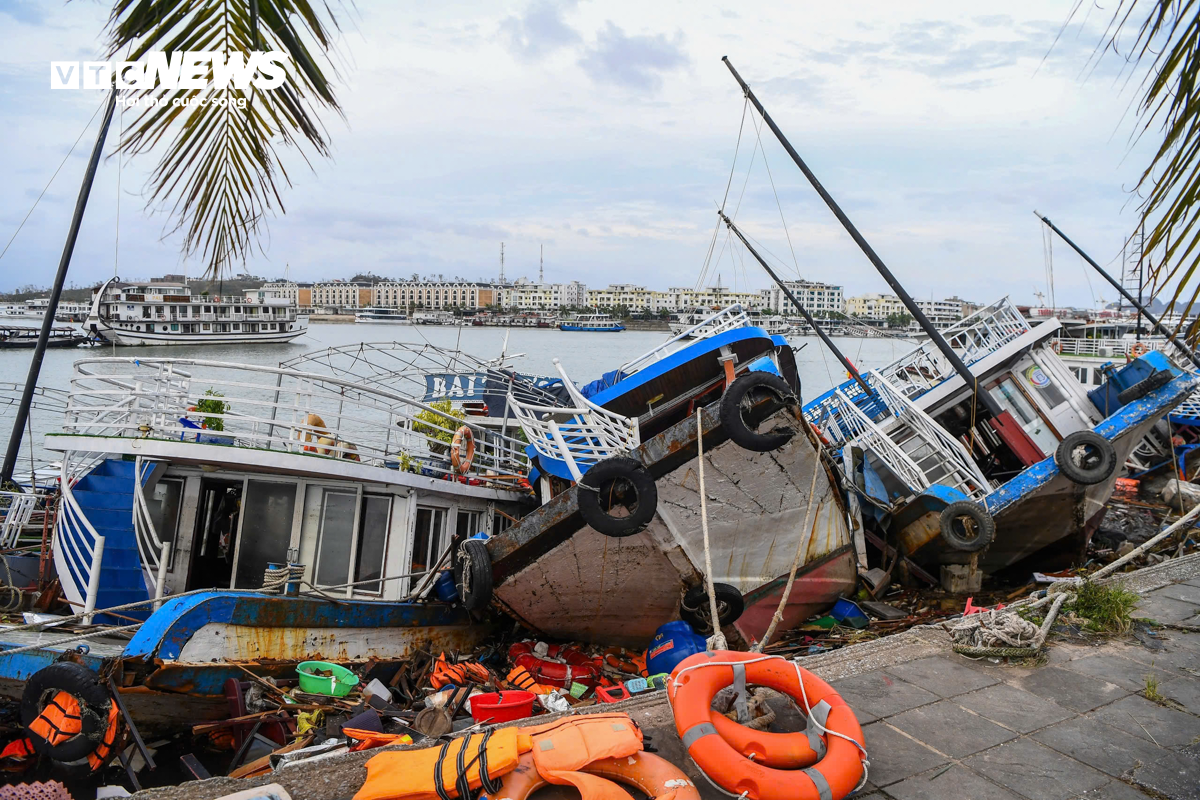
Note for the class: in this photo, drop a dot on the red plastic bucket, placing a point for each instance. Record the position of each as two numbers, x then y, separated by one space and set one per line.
502 706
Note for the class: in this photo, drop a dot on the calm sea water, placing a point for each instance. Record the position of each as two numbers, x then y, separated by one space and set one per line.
584 356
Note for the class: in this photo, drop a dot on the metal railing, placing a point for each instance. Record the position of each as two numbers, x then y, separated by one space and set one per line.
580 435
282 410
973 338
78 549
16 511
724 320
155 554
1109 348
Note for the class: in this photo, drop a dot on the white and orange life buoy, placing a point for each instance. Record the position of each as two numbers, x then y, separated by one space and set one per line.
462 450
827 762
1138 349
560 667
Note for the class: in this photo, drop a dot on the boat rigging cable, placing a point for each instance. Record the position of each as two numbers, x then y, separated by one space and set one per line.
1155 321
991 407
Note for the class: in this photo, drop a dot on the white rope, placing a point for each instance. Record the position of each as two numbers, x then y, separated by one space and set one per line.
717 640
76 638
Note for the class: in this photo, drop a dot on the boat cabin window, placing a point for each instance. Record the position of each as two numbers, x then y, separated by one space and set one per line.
372 541
1009 396
1039 382
467 524
164 506
337 533
267 525
345 552
428 534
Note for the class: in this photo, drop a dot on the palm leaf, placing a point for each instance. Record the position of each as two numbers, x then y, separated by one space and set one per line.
219 171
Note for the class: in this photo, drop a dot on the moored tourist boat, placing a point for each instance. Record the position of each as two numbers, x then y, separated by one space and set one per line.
591 323
163 313
390 316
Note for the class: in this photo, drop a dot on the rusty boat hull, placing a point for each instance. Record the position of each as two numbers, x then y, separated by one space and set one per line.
561 578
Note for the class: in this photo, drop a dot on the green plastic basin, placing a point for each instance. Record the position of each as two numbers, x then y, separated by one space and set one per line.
337 685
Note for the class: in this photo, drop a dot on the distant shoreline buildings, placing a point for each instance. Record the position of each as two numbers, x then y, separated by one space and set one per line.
820 299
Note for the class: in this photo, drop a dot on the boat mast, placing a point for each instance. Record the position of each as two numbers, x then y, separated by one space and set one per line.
981 398
39 350
1155 321
850 368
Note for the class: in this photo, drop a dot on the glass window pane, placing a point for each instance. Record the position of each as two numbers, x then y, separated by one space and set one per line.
467 525
420 551
372 538
337 530
163 504
266 530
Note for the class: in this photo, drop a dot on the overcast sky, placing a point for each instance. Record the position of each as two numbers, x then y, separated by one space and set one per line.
606 132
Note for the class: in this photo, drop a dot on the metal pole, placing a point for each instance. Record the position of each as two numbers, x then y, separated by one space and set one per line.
850 368
1158 326
39 351
956 362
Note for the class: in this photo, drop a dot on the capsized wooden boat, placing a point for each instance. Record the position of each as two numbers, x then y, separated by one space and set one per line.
560 577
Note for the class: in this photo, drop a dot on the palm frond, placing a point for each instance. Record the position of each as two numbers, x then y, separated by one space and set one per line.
1163 36
220 172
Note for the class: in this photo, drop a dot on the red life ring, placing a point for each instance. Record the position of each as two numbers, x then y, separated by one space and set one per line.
562 666
745 761
462 449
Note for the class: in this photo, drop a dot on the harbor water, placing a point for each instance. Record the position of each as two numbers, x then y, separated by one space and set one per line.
584 356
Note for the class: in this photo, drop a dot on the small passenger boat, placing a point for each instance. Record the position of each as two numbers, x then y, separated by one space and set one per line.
591 323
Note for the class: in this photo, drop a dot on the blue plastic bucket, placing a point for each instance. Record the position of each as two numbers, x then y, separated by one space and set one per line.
444 587
672 643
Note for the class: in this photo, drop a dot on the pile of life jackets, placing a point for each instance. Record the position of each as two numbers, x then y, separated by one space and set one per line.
594 753
826 761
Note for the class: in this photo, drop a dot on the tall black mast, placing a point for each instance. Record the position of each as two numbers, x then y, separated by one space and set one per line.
981 398
39 351
1158 326
850 368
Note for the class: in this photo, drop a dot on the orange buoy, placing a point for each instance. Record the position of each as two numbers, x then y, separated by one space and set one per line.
462 450
744 761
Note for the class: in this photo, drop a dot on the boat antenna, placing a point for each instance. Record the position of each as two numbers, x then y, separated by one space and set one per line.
850 368
1155 321
39 350
502 263
981 398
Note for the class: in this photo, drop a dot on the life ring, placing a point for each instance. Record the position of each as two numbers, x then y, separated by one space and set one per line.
1138 349
561 666
655 777
746 762
462 450
309 431
68 714
624 661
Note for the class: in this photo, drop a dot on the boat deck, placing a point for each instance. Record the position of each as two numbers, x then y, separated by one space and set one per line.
98 646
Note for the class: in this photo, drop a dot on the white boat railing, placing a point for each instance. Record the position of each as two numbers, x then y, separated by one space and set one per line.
78 549
724 320
844 423
973 338
282 410
153 551
580 435
16 511
1109 348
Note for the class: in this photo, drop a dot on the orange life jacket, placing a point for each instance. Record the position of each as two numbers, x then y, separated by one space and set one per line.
520 678
414 774
366 740
60 719
445 673
561 749
15 755
108 743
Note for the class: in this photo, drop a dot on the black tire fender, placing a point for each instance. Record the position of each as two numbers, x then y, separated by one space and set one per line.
967 526
742 431
94 703
473 574
1145 386
694 608
618 483
1086 457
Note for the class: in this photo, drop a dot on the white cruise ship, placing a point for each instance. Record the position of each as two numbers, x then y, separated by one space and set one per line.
392 316
161 313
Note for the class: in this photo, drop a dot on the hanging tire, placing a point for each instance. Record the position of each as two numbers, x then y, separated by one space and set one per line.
473 574
967 526
66 711
737 406
617 497
1086 457
696 611
1144 387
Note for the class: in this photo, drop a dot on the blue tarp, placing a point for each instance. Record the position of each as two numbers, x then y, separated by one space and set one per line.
607 381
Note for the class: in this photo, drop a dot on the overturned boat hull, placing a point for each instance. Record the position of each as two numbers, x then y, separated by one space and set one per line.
560 577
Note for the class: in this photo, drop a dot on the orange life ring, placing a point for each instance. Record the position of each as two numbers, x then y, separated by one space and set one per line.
653 776
1138 349
723 749
462 449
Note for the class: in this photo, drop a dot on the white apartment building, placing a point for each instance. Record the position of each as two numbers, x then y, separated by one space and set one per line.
814 296
432 294
621 294
341 294
685 299
942 312
544 296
